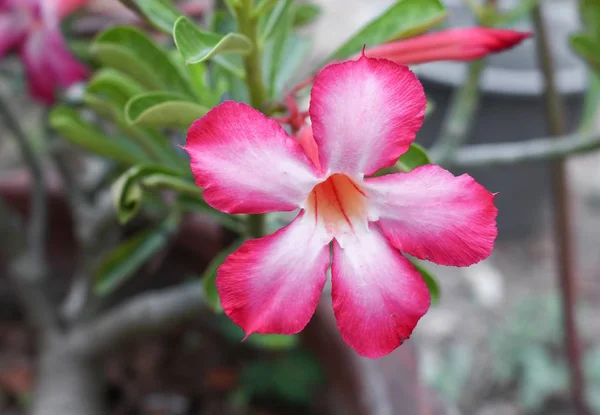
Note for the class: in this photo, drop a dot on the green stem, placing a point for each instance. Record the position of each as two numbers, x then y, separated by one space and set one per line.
459 119
247 23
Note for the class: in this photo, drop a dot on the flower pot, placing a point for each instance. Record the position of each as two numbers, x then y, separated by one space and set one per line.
511 109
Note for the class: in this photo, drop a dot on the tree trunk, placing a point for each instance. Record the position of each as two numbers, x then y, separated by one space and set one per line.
68 384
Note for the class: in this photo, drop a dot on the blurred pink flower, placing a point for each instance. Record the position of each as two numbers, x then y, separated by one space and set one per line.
33 28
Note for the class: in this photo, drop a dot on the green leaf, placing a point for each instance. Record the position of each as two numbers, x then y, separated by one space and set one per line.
128 257
114 87
83 134
160 13
235 334
306 13
264 6
430 281
293 377
415 156
403 19
592 99
588 48
128 190
278 45
130 51
162 109
590 14
108 93
209 277
295 50
196 45
275 19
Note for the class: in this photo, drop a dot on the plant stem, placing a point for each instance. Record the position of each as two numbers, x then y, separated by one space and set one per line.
562 215
248 26
37 227
247 23
458 121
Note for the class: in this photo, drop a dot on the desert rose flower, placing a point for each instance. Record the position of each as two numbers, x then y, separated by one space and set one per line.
32 28
365 113
462 44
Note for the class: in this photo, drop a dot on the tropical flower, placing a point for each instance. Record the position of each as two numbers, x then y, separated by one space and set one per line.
463 44
365 113
32 27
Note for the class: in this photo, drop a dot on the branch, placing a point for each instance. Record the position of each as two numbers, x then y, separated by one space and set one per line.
37 227
28 268
562 215
537 149
90 221
12 228
149 313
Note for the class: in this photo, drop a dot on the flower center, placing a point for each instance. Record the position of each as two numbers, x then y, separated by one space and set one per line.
339 204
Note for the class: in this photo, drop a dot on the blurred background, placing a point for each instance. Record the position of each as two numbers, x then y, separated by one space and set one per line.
492 345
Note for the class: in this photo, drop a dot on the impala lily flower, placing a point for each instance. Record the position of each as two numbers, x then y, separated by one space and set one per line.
32 27
365 114
462 44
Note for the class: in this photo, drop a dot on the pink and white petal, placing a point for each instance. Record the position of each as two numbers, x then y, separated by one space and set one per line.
307 142
378 295
39 74
434 215
365 114
247 163
13 30
273 284
66 69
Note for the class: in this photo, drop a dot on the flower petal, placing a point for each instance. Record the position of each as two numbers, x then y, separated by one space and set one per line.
462 44
273 284
308 144
434 215
13 30
49 64
378 295
247 163
37 69
365 114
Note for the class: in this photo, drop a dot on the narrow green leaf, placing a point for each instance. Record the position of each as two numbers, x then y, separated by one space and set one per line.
113 86
107 93
130 51
277 15
295 50
403 19
128 189
430 281
209 277
83 134
588 48
196 45
415 156
306 13
127 258
160 13
162 109
592 99
264 6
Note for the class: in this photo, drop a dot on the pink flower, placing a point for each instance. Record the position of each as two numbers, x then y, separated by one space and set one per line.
32 27
365 114
449 45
